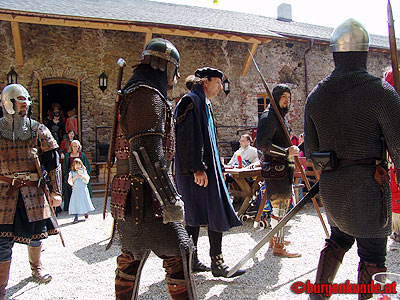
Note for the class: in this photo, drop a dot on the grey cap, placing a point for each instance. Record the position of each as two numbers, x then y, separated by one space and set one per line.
351 35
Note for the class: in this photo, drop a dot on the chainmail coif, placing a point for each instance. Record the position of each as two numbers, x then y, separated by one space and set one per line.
348 113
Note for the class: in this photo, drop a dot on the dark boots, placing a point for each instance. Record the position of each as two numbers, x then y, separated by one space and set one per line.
365 272
38 272
4 273
198 266
329 262
219 269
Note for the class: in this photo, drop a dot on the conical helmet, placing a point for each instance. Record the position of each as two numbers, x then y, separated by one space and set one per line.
351 35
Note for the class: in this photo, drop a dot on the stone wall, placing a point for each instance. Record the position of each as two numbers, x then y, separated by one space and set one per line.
82 54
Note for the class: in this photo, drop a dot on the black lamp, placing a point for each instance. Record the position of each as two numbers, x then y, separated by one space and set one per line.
103 78
227 86
12 76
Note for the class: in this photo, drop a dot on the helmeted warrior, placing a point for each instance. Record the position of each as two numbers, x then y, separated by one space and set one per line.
352 117
279 153
25 215
147 209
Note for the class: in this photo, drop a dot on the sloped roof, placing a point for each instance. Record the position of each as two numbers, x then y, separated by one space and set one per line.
179 16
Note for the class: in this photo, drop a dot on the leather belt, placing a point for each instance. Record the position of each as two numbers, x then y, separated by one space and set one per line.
19 180
366 161
122 166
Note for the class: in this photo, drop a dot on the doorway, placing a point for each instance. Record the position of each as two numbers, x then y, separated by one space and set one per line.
64 93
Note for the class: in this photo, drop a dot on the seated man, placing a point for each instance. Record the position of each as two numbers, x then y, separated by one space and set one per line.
248 153
249 156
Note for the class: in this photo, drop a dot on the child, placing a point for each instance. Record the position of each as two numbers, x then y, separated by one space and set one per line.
80 202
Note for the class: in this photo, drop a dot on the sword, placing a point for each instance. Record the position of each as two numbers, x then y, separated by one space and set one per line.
313 191
296 159
111 152
45 189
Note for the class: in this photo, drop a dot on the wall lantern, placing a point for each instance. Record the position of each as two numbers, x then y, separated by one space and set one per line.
103 80
12 76
227 86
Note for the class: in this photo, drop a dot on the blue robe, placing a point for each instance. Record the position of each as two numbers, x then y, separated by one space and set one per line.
196 150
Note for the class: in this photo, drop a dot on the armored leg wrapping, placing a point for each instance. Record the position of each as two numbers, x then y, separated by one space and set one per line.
179 276
365 272
127 275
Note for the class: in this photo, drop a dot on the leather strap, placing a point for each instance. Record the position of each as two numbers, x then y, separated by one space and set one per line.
347 162
122 166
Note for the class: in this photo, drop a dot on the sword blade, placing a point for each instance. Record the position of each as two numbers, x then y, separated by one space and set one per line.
314 190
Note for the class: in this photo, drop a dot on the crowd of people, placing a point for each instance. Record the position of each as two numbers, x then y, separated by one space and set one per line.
351 121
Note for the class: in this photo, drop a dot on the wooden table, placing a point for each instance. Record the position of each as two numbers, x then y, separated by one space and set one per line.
246 191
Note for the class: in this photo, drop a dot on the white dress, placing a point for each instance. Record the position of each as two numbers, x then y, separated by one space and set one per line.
80 202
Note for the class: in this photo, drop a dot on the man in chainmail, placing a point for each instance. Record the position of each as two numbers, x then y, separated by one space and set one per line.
199 176
145 205
25 215
278 152
351 119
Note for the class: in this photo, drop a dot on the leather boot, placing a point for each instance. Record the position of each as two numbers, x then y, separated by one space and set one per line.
365 272
198 266
219 269
4 273
38 272
329 262
272 242
280 250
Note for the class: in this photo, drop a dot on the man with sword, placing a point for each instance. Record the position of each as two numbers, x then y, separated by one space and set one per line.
25 212
145 205
351 119
278 153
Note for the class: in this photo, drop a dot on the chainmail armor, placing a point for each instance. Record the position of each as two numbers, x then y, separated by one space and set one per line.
146 128
22 127
348 113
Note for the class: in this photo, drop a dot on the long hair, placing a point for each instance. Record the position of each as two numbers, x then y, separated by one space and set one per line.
75 162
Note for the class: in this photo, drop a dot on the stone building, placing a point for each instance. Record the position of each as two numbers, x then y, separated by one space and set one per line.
60 48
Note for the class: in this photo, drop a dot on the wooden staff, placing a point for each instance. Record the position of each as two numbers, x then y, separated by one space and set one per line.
393 49
45 189
296 159
111 152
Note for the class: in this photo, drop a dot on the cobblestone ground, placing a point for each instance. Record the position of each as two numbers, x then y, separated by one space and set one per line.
84 270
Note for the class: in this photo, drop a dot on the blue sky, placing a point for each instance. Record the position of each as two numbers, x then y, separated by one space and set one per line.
330 13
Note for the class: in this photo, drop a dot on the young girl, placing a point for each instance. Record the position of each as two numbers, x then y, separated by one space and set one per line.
80 202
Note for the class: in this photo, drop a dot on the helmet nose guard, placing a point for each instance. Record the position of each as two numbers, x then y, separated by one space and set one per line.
158 52
10 95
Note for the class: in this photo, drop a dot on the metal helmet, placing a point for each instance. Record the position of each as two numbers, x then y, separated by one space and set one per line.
351 35
10 95
158 52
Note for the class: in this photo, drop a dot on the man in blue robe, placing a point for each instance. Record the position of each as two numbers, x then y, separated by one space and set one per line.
199 175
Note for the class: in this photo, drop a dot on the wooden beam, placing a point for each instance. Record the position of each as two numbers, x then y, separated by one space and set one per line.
247 62
109 25
17 43
147 38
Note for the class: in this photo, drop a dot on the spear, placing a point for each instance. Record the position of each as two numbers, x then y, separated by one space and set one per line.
296 159
393 49
111 152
